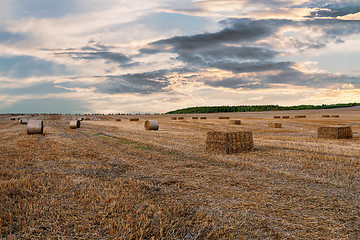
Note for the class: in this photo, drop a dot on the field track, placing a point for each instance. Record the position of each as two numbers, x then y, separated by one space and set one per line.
112 179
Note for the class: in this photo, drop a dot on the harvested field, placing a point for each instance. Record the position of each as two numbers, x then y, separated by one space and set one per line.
116 181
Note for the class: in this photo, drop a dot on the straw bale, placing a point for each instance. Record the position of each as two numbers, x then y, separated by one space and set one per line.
325 116
335 116
300 116
180 118
229 142
118 120
35 126
337 132
235 122
195 118
151 125
285 116
12 118
23 120
224 117
134 119
174 118
202 117
74 124
277 117
275 125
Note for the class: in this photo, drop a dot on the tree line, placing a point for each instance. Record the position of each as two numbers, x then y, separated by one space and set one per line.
258 108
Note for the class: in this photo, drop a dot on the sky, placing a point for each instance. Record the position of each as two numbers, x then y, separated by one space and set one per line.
153 56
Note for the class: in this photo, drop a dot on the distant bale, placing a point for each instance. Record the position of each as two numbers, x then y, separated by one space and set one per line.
335 116
118 120
23 121
195 118
335 132
285 117
325 116
35 126
275 125
277 117
202 117
87 118
300 116
229 142
12 118
224 117
174 118
151 125
134 119
235 122
180 118
74 124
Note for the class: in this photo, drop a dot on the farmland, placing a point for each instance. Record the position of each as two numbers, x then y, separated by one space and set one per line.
112 179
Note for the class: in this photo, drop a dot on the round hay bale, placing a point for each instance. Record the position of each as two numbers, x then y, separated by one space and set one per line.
235 122
35 127
23 121
134 119
74 124
151 125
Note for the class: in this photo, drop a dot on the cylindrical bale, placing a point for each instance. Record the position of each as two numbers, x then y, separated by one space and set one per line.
235 122
35 127
74 124
23 121
151 125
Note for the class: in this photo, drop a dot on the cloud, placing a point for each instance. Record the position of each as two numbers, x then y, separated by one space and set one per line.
333 9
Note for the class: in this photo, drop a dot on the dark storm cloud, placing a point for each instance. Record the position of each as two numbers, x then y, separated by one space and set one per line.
26 66
238 30
99 51
333 9
297 78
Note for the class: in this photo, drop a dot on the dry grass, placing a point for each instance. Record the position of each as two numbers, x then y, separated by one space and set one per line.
117 181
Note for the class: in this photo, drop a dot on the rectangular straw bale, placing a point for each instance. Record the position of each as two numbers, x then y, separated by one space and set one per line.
235 122
335 132
174 118
202 117
275 125
229 142
134 119
195 118
277 117
300 116
224 117
180 118
325 116
335 116
285 116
